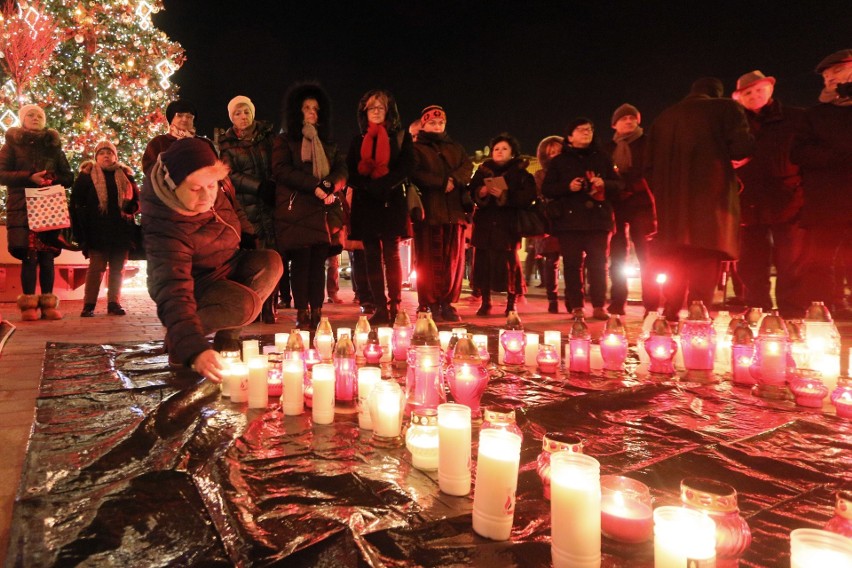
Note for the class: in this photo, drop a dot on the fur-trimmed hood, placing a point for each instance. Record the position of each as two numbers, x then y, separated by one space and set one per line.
543 160
48 136
393 123
292 119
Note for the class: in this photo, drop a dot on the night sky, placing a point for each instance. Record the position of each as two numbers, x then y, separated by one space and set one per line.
523 67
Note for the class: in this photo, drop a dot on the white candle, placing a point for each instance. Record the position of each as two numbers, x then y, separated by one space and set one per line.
368 377
682 535
251 348
444 339
531 349
678 358
501 355
388 421
281 341
554 338
820 549
258 388
293 395
322 381
496 482
575 510
596 361
306 338
239 382
325 347
481 342
227 378
341 331
385 336
454 445
828 366
644 358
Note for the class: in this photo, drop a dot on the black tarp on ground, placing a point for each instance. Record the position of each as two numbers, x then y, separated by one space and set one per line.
124 468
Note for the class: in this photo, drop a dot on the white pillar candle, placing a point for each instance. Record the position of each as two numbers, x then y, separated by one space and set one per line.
678 358
575 510
306 338
554 338
293 395
258 388
388 418
501 355
368 377
444 339
531 349
251 348
644 358
454 445
239 382
681 536
496 482
281 341
322 381
325 347
828 366
385 336
820 549
596 361
225 386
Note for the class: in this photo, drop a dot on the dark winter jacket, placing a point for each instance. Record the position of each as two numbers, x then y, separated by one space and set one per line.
437 158
578 210
112 230
772 191
636 197
300 216
688 166
495 219
249 161
379 206
186 253
823 150
25 153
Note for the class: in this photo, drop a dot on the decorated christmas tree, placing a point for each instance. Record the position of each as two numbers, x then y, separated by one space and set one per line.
100 69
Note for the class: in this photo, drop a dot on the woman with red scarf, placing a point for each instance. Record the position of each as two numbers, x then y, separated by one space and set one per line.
379 160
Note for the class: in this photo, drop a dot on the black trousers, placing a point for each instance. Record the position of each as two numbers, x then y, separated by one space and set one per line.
823 248
383 262
584 249
761 247
638 226
691 273
439 256
307 276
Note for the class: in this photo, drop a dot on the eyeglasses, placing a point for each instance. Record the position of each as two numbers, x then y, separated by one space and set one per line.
376 109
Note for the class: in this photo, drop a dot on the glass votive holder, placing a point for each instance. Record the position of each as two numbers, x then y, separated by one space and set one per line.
514 343
467 382
481 342
719 502
387 403
626 509
274 377
421 439
551 443
808 392
814 547
500 418
368 378
841 523
547 358
843 402
683 535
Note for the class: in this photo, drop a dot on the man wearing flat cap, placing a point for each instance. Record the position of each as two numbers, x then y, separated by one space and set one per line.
770 200
822 148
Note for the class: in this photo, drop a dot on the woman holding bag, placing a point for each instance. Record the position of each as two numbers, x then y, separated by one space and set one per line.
380 159
32 157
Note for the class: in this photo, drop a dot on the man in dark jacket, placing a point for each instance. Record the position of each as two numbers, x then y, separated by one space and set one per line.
198 276
634 211
688 164
770 199
823 149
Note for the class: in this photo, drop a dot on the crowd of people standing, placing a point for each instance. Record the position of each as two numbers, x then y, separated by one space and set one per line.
714 180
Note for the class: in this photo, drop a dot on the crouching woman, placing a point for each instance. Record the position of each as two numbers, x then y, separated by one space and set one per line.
199 277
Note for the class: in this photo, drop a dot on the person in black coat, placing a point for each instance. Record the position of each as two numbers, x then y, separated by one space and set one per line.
379 160
103 201
583 185
500 186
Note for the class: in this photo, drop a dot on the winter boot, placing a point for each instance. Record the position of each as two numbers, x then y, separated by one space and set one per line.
267 312
88 311
28 304
303 319
510 304
485 308
393 310
316 316
380 317
49 304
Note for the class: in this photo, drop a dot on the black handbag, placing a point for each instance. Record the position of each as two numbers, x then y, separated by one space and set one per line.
137 245
415 204
532 221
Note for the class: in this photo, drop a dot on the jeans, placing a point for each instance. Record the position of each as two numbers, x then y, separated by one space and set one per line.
98 262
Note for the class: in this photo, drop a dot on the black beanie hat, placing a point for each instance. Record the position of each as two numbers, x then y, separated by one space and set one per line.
177 106
579 121
185 156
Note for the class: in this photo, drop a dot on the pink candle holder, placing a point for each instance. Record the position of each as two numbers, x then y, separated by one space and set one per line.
698 342
742 353
772 358
841 523
551 443
809 392
718 501
514 343
843 405
424 385
626 509
373 349
401 338
661 348
547 359
500 418
579 347
275 374
345 377
467 377
613 345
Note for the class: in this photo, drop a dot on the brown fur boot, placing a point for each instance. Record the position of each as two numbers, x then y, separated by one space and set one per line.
28 304
48 304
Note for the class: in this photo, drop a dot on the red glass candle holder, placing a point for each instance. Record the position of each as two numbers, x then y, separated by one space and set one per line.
373 349
547 358
467 382
580 359
772 358
741 360
843 404
626 509
698 342
514 343
424 384
809 392
613 345
841 523
661 350
275 374
551 443
718 501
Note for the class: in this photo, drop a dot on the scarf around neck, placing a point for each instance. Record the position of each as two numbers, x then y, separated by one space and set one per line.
375 152
622 157
313 152
180 133
123 187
